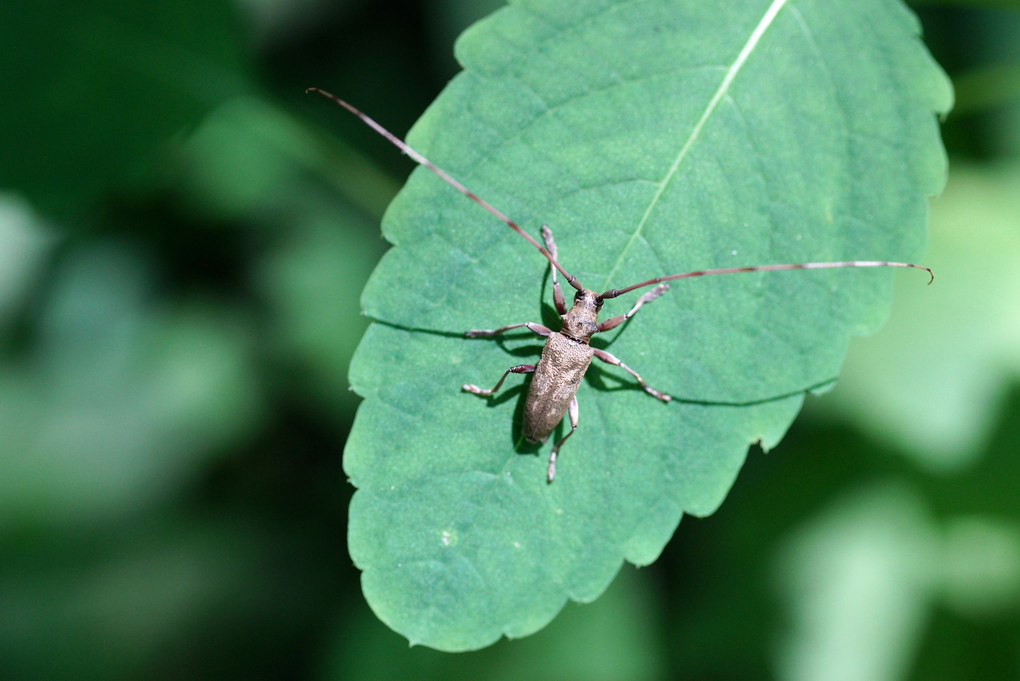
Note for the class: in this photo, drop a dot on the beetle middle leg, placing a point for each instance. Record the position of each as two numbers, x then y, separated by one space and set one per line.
531 326
519 369
609 358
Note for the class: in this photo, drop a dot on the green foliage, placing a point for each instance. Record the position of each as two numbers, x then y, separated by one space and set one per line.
653 137
180 270
91 92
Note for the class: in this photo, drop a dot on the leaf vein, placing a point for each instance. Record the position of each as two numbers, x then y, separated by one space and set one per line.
720 93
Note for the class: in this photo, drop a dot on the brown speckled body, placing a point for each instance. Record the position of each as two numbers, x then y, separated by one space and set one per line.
554 383
565 358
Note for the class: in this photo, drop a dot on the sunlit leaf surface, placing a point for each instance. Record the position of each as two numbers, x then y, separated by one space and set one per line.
654 137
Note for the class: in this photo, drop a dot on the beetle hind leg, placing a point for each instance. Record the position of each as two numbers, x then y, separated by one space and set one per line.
572 415
609 358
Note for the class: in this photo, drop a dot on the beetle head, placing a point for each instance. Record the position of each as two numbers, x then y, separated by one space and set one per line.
581 320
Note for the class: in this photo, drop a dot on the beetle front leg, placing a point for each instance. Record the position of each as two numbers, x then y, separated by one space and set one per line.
550 245
620 318
572 415
611 359
519 369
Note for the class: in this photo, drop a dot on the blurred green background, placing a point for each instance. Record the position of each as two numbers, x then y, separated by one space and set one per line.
184 236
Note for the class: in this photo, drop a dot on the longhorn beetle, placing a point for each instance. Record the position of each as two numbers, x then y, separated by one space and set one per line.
567 352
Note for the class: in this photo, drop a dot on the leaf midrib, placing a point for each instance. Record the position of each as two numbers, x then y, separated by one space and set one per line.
731 73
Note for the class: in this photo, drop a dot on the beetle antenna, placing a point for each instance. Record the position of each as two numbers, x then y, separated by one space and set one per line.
612 293
421 160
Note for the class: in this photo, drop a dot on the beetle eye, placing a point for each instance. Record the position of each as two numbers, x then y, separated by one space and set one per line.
577 296
598 304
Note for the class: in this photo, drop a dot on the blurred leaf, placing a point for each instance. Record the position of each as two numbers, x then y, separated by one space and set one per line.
310 280
934 380
91 89
238 162
250 160
654 137
987 79
120 401
23 243
280 20
172 594
987 87
882 569
981 566
859 578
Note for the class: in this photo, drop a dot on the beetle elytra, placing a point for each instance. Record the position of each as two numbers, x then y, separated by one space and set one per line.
567 353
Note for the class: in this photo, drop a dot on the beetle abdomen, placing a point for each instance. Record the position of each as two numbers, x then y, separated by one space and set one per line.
554 383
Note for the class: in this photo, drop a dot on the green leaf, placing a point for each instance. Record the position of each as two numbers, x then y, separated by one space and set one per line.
654 137
121 400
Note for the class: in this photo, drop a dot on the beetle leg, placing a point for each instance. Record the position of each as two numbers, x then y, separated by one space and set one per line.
519 369
536 328
618 319
572 414
550 245
611 359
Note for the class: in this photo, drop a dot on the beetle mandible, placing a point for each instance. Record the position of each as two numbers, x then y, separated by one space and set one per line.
567 353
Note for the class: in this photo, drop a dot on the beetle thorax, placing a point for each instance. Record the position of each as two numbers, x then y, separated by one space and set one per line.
581 320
